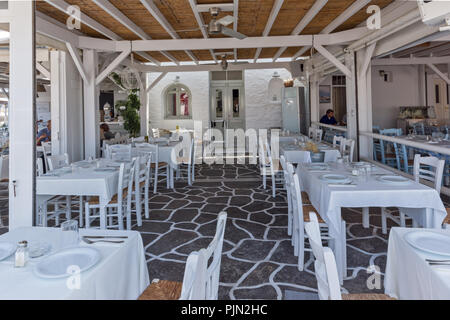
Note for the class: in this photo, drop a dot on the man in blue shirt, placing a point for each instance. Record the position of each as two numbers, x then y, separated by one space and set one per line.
329 118
45 134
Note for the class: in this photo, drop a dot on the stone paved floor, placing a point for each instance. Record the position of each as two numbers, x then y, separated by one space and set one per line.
258 260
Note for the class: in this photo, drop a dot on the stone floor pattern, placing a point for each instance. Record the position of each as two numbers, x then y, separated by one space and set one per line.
258 260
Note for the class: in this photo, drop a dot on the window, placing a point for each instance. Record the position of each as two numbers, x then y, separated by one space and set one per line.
437 94
338 80
178 102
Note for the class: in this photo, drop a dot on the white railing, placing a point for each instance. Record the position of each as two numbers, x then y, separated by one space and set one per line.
338 128
419 145
409 143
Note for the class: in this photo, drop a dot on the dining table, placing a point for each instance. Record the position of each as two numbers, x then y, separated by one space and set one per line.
83 178
373 188
120 272
295 153
408 275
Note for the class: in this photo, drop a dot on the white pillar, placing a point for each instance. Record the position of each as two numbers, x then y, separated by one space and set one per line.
350 85
22 126
422 84
91 101
314 98
364 84
55 99
143 112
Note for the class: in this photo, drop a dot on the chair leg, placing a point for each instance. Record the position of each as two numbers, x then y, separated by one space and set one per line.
68 207
301 249
147 209
365 217
87 213
155 181
81 212
120 216
44 215
137 195
273 186
264 179
289 213
383 221
402 220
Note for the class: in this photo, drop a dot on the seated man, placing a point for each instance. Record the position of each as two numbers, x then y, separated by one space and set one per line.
45 135
329 118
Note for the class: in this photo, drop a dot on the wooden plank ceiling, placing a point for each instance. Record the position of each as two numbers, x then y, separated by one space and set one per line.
252 19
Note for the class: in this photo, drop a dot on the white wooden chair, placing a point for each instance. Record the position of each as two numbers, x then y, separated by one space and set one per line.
186 164
301 215
57 161
347 148
119 152
120 205
326 271
337 141
315 134
201 281
287 185
427 168
156 165
268 165
59 203
141 187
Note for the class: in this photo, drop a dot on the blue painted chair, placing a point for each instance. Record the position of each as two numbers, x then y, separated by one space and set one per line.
419 128
403 163
389 159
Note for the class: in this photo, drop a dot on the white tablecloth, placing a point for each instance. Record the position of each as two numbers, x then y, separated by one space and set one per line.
83 182
121 273
295 154
164 152
370 192
408 276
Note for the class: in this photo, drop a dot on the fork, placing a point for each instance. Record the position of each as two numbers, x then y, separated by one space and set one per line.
109 241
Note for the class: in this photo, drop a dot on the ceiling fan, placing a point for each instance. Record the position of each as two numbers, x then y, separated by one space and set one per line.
219 26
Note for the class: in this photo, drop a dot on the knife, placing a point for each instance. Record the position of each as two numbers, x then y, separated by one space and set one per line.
106 237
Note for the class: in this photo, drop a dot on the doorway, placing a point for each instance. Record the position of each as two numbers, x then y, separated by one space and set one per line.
441 99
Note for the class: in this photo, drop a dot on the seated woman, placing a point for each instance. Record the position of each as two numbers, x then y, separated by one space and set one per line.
105 133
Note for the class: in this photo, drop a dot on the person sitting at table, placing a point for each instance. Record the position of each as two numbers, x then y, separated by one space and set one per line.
329 118
105 133
45 135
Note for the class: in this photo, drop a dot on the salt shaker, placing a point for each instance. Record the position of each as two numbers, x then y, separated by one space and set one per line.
21 254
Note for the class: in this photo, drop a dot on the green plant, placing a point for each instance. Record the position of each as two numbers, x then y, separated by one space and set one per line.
132 121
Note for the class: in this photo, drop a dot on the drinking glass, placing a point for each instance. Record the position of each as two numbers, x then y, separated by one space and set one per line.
69 233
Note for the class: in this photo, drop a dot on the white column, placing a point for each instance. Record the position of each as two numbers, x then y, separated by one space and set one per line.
314 97
350 85
22 117
364 84
91 101
55 99
422 84
143 112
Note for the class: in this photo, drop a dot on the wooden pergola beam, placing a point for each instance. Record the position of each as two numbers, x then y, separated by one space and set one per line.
273 15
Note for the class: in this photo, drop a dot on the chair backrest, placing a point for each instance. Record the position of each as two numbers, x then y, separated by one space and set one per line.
347 148
200 280
126 179
138 139
315 134
152 148
262 152
325 267
296 196
337 141
39 167
194 280
119 151
430 169
393 132
142 168
57 161
419 128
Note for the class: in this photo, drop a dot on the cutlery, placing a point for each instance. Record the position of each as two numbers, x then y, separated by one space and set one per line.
108 241
437 261
106 237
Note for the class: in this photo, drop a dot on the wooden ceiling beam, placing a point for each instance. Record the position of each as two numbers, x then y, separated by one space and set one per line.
109 8
344 16
156 13
312 12
64 6
273 15
201 23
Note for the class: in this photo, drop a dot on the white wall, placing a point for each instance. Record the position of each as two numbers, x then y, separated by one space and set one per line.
260 114
387 97
198 84
323 107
